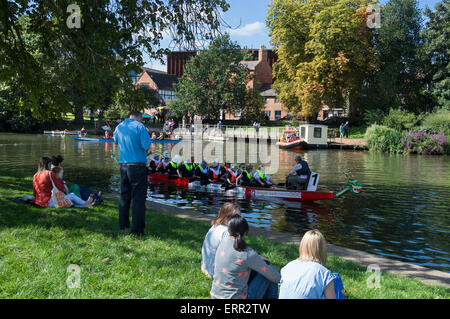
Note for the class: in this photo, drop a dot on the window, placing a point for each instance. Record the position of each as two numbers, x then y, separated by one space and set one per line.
144 85
265 100
167 95
277 101
238 113
302 132
318 132
268 114
277 115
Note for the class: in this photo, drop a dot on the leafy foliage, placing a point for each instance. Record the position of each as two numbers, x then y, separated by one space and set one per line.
62 69
437 122
384 139
325 52
436 47
401 120
216 80
422 142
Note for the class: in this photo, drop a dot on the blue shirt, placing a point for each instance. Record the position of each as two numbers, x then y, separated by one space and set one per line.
304 280
133 140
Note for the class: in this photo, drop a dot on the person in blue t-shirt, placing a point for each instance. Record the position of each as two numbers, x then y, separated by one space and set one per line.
306 277
134 141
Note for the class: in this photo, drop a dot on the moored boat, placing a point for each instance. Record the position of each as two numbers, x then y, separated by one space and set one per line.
110 140
65 132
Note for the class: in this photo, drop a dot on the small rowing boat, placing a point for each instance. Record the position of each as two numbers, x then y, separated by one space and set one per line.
242 192
62 132
110 140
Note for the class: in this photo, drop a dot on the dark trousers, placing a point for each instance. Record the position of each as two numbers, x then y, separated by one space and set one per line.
133 191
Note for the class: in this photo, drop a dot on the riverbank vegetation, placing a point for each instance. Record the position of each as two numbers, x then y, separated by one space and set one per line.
404 132
37 245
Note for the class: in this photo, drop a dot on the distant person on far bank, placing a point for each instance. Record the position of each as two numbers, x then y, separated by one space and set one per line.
133 140
341 131
346 125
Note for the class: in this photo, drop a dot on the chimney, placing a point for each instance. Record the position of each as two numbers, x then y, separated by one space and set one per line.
262 55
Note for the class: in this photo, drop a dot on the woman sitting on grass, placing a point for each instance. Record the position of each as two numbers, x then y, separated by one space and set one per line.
82 192
233 262
42 186
216 233
307 277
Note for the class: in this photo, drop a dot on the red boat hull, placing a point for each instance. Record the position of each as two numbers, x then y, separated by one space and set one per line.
247 192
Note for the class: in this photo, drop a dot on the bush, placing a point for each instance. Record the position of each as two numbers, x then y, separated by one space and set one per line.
384 139
401 120
374 116
437 122
422 142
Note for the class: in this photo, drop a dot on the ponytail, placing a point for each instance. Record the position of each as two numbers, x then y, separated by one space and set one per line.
238 228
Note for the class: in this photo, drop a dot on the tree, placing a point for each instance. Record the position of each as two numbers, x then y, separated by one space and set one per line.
216 81
325 52
80 66
436 48
401 79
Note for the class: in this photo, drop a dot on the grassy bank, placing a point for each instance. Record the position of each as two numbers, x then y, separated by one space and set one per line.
38 244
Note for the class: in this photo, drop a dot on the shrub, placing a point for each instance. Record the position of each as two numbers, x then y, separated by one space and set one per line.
437 122
374 116
401 120
422 142
384 139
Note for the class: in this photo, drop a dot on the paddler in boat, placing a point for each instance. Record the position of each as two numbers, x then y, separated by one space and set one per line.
260 178
245 178
173 169
164 164
298 178
215 171
154 163
187 169
202 173
230 177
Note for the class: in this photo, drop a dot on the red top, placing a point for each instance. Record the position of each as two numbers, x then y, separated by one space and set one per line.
42 187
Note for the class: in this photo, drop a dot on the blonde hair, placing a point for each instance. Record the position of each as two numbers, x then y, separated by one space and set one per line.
313 247
226 211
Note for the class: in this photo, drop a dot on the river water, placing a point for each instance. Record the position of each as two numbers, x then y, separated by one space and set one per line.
402 212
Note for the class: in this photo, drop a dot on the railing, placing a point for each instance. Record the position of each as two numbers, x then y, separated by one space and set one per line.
229 131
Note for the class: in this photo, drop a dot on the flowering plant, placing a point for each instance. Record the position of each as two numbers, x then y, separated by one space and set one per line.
423 142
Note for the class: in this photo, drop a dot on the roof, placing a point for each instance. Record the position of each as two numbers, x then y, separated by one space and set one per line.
163 80
266 90
251 65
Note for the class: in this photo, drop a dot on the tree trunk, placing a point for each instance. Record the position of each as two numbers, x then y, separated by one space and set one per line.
78 112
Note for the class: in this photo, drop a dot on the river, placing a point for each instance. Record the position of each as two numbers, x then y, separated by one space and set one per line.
402 212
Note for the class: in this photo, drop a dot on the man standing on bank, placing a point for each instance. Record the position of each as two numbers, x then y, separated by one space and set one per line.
133 140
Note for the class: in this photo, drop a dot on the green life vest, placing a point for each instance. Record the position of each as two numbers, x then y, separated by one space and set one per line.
262 176
174 165
189 167
249 176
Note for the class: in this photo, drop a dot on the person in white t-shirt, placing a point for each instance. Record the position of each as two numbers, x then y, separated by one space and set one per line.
217 232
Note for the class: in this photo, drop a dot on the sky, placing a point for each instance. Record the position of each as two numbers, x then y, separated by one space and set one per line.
248 21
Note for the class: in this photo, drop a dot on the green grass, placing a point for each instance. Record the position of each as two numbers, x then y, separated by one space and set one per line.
38 244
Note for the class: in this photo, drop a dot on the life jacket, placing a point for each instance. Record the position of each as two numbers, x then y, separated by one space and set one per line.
165 164
189 167
156 162
247 174
203 170
304 170
216 172
232 175
174 165
261 176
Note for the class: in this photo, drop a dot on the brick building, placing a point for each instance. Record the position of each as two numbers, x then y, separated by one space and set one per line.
261 68
159 81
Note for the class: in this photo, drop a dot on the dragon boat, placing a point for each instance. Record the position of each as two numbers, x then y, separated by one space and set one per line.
250 192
